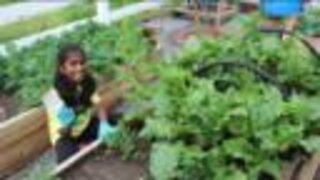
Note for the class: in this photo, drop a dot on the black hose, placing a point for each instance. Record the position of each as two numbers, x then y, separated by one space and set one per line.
263 75
282 31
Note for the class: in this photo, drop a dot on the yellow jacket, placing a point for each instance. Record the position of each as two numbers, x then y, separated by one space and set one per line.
53 103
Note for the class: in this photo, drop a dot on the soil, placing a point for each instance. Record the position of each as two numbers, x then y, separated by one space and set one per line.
109 166
170 33
8 107
103 165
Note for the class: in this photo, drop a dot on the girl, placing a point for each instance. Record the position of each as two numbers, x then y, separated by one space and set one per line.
72 120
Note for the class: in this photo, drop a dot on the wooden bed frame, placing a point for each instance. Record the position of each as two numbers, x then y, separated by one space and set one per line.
22 139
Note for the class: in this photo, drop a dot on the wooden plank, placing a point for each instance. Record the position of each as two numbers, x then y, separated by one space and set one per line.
25 137
22 139
24 152
288 170
14 129
309 169
224 14
314 43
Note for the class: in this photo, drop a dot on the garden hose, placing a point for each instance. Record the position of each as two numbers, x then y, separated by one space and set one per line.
258 72
282 31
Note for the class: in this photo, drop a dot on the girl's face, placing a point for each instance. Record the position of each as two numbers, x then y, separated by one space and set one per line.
74 67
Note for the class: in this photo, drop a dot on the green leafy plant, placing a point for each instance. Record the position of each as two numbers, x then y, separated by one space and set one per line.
6 2
120 3
228 122
310 25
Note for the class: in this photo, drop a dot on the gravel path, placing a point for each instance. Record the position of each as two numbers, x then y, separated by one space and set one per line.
17 11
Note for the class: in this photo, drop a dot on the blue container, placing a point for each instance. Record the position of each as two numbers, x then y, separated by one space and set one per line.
281 8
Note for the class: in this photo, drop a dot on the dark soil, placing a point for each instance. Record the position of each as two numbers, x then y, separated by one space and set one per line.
109 166
169 33
8 107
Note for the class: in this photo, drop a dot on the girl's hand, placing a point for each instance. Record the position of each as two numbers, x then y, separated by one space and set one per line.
106 131
104 98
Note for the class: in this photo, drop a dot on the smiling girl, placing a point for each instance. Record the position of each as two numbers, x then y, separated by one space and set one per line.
72 120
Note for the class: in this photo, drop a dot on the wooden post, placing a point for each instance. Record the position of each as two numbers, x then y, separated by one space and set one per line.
218 14
309 170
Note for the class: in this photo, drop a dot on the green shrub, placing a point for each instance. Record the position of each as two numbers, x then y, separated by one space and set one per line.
224 122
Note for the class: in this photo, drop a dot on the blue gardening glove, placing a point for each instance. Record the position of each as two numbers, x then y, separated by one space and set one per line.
106 131
67 116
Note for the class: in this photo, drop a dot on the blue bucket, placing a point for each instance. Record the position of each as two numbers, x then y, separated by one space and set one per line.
281 8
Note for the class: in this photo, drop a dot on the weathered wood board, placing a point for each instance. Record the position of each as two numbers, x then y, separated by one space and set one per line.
309 170
313 43
207 15
22 139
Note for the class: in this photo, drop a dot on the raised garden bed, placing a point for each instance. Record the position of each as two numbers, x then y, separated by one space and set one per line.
224 108
187 142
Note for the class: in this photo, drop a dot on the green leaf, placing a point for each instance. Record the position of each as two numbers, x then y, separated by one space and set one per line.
157 128
311 144
238 148
164 161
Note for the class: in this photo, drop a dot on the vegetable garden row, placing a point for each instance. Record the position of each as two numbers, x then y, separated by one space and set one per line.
232 107
45 21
